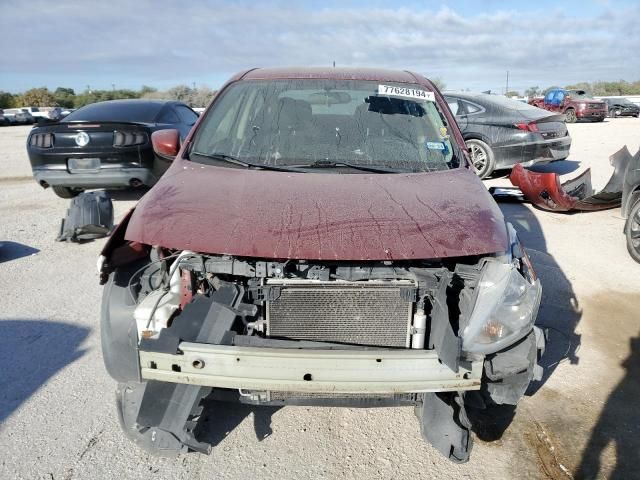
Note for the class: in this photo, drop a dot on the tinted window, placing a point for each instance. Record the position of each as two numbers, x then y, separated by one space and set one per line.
471 107
116 111
454 106
301 122
187 115
168 116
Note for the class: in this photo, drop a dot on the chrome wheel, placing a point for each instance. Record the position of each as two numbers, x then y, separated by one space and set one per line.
479 157
570 116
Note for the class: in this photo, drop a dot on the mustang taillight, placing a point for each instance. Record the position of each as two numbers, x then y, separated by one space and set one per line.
42 140
527 127
128 139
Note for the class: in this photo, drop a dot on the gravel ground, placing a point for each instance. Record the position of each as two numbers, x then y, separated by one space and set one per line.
57 418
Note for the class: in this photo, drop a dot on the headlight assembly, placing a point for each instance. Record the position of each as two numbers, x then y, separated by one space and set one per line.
505 308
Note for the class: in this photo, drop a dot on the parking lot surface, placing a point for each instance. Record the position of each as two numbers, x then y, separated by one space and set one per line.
57 414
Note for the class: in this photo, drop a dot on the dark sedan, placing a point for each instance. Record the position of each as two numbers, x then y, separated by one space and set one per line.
105 145
501 132
621 107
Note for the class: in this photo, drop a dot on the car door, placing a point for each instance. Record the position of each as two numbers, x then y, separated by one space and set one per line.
457 108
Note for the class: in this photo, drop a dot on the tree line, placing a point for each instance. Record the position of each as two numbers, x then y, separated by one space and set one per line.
68 98
200 97
599 89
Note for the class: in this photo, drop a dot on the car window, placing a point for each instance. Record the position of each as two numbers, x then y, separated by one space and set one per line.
301 122
454 106
117 111
168 116
470 108
187 115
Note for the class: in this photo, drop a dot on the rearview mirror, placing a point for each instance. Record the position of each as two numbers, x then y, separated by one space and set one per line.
166 143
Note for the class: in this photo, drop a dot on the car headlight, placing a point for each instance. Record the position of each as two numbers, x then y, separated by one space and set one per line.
505 308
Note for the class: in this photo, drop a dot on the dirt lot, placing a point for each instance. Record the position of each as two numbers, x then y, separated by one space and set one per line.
57 418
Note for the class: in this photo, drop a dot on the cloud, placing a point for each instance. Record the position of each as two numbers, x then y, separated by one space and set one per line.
151 42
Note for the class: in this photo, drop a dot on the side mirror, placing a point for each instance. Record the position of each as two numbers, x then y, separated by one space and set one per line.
166 143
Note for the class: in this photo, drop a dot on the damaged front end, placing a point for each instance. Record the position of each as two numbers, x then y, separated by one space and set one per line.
179 326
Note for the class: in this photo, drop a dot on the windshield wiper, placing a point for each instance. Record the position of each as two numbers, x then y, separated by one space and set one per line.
223 157
355 166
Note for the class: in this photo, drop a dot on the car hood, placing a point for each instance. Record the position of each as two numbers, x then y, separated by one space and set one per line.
319 216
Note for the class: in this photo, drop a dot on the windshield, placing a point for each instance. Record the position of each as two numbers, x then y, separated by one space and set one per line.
334 124
580 94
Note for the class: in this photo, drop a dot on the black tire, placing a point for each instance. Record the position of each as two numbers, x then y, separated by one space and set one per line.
632 231
65 192
482 157
617 112
570 115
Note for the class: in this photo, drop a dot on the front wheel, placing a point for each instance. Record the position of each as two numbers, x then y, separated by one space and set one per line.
482 157
632 232
570 116
65 192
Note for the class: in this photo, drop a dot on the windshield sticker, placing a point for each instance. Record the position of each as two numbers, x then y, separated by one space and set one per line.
406 93
444 133
435 146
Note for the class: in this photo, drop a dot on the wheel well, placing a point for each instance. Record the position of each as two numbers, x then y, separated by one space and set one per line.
476 136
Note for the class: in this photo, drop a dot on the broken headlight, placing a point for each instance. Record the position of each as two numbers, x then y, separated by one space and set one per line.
505 308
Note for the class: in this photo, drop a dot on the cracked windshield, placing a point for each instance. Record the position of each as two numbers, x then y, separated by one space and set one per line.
339 126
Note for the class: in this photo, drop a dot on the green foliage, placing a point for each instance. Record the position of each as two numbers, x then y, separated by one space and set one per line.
38 97
64 97
512 93
600 88
8 100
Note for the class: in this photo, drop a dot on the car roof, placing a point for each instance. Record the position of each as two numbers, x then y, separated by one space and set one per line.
329 73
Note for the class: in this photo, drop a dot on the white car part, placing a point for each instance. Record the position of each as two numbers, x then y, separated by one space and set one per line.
156 309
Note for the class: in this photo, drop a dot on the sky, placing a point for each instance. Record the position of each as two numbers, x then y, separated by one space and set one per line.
468 44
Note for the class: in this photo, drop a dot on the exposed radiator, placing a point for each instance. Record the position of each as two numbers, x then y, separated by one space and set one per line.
367 313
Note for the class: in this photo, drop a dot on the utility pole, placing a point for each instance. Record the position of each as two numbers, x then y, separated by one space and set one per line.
507 90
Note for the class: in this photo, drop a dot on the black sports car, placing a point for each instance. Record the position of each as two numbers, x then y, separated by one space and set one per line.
621 107
105 145
501 132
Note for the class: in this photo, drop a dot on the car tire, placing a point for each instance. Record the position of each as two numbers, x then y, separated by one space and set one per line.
632 231
617 112
570 115
65 192
482 158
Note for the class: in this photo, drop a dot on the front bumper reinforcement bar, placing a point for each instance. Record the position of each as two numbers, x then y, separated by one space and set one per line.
308 370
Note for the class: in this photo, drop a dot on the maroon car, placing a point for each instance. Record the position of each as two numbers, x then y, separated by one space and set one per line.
575 104
320 239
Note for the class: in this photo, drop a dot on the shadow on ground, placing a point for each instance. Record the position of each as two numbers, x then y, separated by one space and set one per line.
559 312
619 423
14 250
220 418
559 316
31 352
561 167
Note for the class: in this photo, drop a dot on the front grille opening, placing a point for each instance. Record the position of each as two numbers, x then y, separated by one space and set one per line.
368 314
